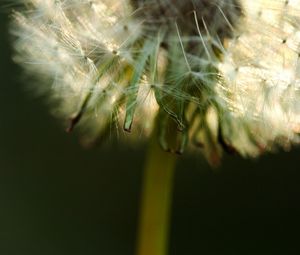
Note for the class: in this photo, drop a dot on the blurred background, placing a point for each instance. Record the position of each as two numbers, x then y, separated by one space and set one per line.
57 198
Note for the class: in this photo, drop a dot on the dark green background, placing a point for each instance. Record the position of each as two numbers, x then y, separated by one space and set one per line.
59 199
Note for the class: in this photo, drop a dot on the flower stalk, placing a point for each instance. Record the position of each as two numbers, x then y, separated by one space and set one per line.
156 200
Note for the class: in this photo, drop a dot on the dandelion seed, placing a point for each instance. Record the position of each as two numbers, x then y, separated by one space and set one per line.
223 74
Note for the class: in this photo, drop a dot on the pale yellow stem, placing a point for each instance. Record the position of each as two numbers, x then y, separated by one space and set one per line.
153 232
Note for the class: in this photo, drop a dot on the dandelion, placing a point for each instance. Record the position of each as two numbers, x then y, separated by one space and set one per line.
219 74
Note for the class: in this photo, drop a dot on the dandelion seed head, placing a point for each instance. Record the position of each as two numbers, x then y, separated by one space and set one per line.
221 74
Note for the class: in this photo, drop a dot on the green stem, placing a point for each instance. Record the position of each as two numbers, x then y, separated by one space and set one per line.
156 199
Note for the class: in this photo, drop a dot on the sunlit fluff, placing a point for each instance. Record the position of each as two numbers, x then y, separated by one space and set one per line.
223 75
260 77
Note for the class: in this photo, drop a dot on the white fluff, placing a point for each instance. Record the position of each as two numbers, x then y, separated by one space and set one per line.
249 91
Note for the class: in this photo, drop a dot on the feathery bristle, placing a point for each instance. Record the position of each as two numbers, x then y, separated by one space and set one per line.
222 74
